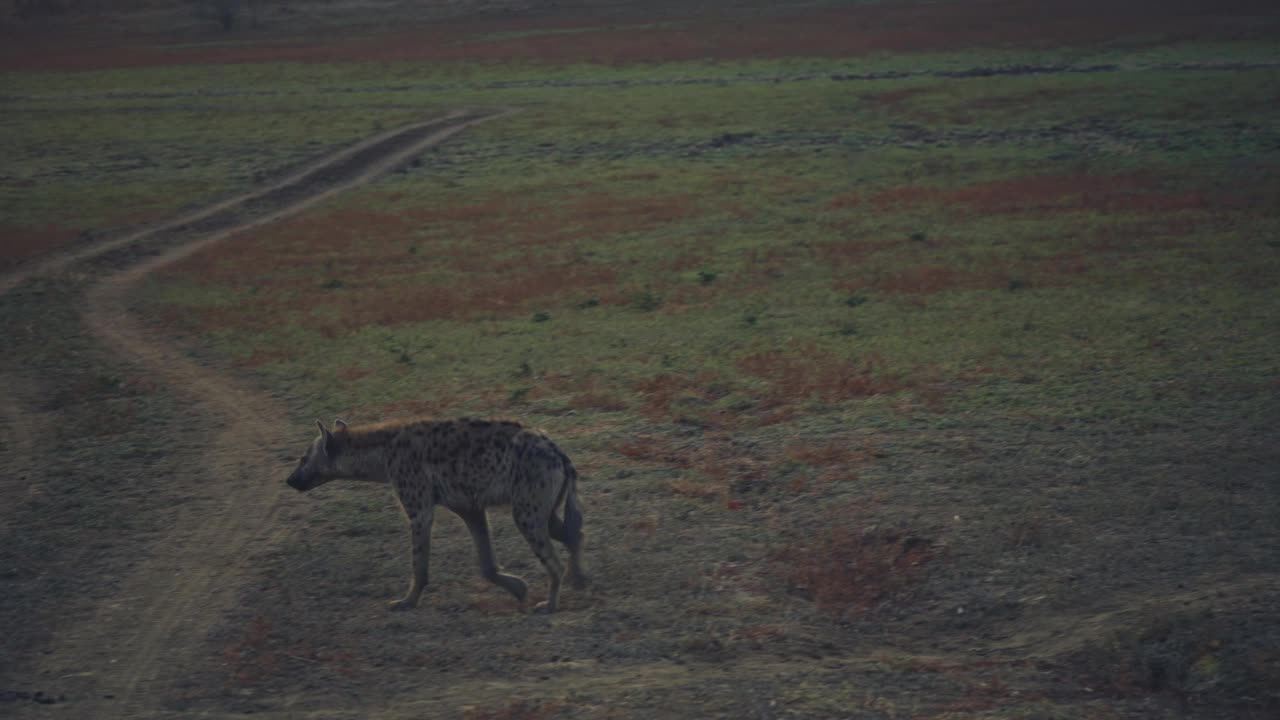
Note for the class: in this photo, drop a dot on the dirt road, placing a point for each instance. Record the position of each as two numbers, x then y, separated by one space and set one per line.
139 640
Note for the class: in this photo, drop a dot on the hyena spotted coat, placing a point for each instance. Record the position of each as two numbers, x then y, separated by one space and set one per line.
466 466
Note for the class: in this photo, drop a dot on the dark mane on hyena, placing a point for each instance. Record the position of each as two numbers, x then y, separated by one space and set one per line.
466 465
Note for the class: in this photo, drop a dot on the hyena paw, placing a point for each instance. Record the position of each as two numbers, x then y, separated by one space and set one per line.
402 604
544 608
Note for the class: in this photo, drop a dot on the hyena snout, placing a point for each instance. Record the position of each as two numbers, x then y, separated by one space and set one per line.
298 481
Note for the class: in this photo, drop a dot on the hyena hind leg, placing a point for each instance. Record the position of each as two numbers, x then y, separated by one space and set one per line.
538 535
478 523
577 578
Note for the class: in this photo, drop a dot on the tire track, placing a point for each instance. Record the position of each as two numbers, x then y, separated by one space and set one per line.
138 642
378 144
19 437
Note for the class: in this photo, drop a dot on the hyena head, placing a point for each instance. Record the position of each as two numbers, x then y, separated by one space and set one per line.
320 463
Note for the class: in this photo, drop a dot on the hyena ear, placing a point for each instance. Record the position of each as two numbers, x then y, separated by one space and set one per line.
327 446
339 426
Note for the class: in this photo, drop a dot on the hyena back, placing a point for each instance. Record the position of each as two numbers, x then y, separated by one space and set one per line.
466 466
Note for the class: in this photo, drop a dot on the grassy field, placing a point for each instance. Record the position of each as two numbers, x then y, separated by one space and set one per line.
900 386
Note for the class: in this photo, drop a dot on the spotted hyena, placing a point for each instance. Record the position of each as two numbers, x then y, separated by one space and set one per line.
467 466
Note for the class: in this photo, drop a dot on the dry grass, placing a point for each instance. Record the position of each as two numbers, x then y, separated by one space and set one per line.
832 452
515 710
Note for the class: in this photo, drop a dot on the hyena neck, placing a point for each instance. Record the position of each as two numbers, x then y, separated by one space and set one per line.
366 463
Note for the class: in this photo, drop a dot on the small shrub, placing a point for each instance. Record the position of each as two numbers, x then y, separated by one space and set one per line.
1227 653
1030 530
227 13
855 300
541 316
706 277
646 301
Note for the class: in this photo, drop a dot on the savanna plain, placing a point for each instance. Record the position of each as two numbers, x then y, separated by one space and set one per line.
919 359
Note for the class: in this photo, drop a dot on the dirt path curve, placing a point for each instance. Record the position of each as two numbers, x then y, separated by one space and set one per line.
392 148
132 652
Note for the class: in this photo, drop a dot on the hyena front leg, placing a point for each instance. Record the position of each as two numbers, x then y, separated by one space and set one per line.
478 523
421 517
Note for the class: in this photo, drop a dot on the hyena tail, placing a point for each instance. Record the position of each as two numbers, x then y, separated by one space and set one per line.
572 510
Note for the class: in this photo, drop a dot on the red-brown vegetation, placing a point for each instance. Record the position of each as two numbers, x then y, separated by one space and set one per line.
809 372
844 569
1133 193
894 98
928 279
352 372
696 488
258 357
595 398
358 239
632 36
655 449
353 267
1026 98
662 394
19 243
436 407
719 466
834 452
849 250
261 653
